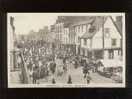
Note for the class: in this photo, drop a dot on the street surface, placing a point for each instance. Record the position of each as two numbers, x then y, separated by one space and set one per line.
77 77
15 76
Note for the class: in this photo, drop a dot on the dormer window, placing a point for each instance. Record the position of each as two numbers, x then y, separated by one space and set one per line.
92 29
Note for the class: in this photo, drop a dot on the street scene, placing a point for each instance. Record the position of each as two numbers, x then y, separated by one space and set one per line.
66 49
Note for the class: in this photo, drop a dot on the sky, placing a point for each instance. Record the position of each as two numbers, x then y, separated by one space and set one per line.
25 22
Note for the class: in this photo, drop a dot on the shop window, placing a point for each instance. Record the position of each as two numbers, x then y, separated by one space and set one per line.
98 54
111 54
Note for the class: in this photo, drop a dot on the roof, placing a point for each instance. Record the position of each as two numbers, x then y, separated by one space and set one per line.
98 23
89 20
117 27
88 35
74 20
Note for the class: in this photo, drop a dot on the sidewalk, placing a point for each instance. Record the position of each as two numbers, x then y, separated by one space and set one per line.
14 76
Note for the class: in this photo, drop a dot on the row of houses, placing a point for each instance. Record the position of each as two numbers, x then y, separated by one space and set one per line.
91 36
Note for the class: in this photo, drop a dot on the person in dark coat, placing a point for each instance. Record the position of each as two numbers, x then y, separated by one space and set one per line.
64 60
53 81
69 79
76 64
53 67
64 64
85 69
88 78
35 74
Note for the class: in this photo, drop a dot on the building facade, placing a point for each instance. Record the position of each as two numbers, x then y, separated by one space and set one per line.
91 36
102 41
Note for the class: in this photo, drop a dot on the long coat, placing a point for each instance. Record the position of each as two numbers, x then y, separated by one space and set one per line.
85 69
36 73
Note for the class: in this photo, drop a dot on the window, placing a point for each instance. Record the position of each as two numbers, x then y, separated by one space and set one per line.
78 28
85 41
74 29
83 52
92 29
107 30
113 42
60 29
111 54
119 52
87 28
79 40
82 28
66 41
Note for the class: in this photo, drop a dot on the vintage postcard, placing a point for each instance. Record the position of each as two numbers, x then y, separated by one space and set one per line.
48 50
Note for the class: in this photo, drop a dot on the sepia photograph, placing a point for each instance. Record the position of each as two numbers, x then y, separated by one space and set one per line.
57 50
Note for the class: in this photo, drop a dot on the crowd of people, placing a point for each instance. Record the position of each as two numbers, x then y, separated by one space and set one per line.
43 60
